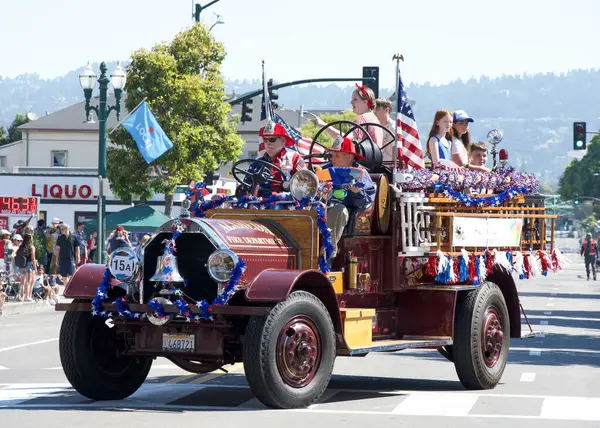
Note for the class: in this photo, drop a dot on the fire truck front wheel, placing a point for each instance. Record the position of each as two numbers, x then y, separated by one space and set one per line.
90 353
481 337
289 354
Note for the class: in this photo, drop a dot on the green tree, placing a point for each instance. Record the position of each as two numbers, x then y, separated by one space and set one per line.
582 177
186 94
589 224
309 129
12 134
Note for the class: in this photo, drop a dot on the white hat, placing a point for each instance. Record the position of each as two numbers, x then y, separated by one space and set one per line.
17 237
4 232
460 115
56 220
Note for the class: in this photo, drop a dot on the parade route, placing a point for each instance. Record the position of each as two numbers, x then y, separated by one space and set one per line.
551 380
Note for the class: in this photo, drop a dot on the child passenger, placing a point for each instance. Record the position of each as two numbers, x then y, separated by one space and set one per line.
478 156
439 141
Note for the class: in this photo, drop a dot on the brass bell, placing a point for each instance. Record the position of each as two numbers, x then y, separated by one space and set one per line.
163 274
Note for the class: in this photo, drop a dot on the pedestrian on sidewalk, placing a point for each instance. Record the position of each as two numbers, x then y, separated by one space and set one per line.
589 250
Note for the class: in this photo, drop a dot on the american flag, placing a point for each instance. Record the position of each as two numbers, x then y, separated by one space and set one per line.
408 135
302 145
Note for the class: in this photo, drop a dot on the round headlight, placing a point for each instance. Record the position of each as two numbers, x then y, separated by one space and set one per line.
304 184
221 264
124 264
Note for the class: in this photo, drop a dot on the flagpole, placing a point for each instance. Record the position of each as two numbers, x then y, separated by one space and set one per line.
397 58
127 117
266 98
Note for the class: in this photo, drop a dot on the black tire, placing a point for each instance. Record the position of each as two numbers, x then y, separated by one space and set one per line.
272 385
447 352
483 308
91 361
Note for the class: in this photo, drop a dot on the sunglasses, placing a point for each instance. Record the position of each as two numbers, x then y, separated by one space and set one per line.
270 140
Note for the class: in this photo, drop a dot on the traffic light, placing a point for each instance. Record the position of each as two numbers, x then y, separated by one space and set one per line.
273 96
247 110
372 72
575 199
197 10
579 136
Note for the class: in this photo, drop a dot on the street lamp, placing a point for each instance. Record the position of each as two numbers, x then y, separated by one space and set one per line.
87 80
218 21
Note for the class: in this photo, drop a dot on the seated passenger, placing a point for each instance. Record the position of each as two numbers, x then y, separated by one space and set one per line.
461 138
478 156
439 141
289 161
343 155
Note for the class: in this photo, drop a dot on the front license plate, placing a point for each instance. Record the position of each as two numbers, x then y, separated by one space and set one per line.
179 342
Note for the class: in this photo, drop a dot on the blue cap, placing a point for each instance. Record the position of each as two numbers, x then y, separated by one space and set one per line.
460 115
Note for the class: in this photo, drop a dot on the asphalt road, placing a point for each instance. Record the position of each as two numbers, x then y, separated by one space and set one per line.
551 381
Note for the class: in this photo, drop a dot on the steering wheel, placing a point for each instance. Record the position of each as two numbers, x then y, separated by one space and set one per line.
361 148
263 175
388 164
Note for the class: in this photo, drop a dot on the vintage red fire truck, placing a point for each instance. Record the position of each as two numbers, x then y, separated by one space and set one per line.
244 280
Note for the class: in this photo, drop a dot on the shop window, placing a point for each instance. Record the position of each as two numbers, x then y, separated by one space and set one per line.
59 158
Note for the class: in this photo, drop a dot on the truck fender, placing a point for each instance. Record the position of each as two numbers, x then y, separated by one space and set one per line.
85 281
506 283
275 285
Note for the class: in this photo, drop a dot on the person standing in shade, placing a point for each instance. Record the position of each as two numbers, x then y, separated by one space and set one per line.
589 250
80 235
68 253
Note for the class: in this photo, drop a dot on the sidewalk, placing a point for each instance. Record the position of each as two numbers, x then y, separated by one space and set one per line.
13 308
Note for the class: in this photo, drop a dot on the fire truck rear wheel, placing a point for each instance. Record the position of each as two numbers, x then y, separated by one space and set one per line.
289 354
91 359
481 337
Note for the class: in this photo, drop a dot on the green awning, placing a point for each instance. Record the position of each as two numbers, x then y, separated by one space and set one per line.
139 218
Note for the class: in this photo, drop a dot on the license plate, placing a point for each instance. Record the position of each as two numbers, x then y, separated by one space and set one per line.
179 342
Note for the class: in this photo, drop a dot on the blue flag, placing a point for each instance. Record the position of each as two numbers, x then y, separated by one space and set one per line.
147 133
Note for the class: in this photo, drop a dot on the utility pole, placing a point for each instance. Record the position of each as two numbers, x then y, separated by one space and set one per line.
199 8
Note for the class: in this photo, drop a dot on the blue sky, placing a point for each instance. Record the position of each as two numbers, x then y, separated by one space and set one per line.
440 40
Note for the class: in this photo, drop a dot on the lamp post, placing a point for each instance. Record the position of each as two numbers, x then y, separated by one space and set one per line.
87 79
218 21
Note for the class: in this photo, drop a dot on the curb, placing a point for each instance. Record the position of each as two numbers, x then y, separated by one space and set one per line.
15 308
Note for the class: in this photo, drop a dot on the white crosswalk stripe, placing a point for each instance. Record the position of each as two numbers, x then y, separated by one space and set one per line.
391 403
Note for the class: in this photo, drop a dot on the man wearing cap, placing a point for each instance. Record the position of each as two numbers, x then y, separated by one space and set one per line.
343 155
589 250
277 141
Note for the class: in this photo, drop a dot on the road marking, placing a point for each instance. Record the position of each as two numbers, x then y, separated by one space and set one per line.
586 408
535 352
543 322
550 304
552 298
207 378
527 377
436 404
548 313
24 345
3 368
194 379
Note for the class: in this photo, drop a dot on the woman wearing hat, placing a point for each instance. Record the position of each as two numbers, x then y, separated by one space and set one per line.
343 155
461 141
363 104
277 141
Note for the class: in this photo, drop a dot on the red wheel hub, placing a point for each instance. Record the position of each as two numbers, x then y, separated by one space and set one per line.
299 352
492 337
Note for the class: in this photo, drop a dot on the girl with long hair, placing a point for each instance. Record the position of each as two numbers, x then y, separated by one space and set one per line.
28 272
439 140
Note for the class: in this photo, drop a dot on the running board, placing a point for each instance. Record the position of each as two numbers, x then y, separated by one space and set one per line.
398 345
